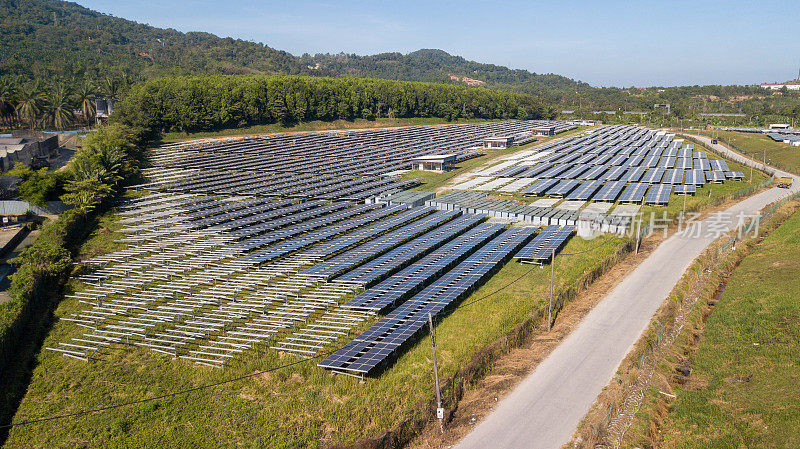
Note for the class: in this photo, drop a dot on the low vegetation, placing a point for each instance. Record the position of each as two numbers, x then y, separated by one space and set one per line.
94 177
734 371
759 146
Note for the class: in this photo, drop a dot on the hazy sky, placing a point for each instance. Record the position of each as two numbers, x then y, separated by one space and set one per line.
605 43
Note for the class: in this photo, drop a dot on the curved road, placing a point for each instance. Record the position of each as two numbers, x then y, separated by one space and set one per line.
547 406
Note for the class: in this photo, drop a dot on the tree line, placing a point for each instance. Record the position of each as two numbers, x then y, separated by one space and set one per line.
59 104
225 101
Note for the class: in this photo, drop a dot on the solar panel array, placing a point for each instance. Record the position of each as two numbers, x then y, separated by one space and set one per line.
375 345
542 247
244 244
581 167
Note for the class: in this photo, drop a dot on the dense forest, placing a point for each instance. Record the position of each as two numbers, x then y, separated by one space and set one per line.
56 51
224 101
56 39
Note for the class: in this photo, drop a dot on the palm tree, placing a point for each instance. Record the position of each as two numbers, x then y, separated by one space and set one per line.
59 108
29 103
111 87
84 98
8 97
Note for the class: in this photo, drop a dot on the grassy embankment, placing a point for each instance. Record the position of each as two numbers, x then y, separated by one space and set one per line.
742 388
778 154
298 406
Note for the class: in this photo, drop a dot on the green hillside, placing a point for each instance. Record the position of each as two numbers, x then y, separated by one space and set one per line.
51 38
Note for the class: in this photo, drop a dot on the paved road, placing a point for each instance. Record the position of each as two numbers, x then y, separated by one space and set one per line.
547 406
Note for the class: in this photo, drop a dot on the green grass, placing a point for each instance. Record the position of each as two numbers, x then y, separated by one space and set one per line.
316 125
294 407
754 330
779 154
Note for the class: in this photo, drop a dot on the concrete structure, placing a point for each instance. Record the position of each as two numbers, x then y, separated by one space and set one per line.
103 108
25 149
434 162
545 130
496 143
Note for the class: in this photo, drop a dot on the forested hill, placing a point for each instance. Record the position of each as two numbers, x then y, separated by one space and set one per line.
62 40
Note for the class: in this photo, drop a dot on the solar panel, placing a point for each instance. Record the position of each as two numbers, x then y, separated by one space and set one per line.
720 165
653 175
736 175
614 173
530 249
402 284
563 187
715 176
594 172
685 189
610 191
375 345
673 176
702 164
634 193
695 177
551 244
634 174
659 194
540 186
584 191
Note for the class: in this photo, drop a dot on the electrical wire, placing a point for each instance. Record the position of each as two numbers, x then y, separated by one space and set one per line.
256 373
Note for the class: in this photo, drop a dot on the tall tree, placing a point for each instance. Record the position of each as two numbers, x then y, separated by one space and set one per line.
59 107
8 97
84 98
30 100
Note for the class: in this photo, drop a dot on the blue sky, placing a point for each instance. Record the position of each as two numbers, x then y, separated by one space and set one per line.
612 43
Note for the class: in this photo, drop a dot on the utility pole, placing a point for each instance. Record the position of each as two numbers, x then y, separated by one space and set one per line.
439 409
684 202
552 274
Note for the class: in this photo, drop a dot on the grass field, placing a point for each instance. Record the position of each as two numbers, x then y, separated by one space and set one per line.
781 155
293 407
747 367
316 125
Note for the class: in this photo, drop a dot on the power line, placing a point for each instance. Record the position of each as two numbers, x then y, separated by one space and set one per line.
247 376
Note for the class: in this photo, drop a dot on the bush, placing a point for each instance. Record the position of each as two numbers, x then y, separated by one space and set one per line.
37 186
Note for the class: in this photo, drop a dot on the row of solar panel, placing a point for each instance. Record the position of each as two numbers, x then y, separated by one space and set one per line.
374 346
374 248
401 285
548 242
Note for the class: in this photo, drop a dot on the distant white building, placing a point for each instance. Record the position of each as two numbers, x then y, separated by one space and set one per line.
495 143
789 85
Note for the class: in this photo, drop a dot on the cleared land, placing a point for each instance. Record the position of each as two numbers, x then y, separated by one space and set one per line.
299 406
779 154
744 384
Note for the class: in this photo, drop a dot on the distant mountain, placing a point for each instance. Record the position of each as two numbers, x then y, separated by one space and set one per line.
56 39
